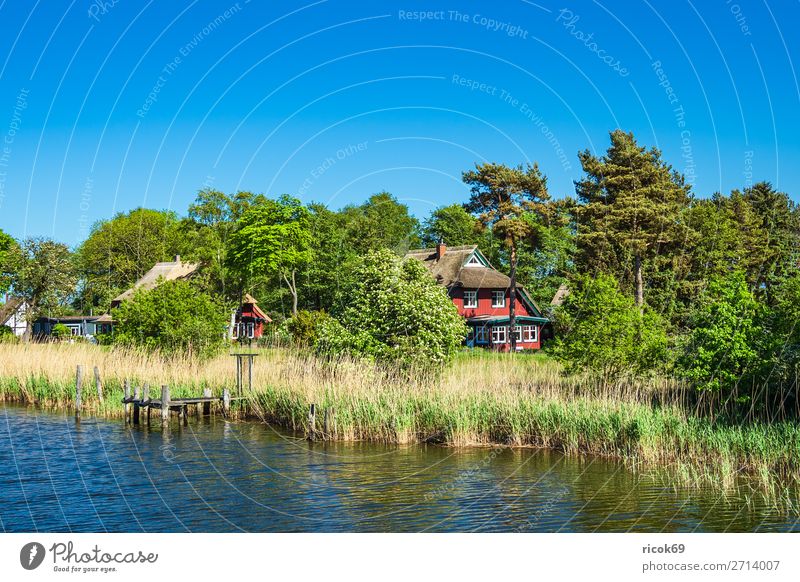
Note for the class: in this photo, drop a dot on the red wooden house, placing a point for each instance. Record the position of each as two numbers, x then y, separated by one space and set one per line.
247 322
481 293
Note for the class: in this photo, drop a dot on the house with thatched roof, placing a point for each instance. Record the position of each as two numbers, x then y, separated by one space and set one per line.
13 315
481 293
160 272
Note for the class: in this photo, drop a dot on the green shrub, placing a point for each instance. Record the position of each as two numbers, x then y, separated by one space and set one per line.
395 312
303 328
600 330
174 317
60 331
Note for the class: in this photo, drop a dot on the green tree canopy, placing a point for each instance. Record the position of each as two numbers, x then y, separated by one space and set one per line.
6 243
175 317
381 223
119 251
631 214
41 271
602 331
724 344
396 312
273 237
452 224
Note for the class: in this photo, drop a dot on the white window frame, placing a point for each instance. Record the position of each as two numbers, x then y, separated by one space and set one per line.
499 331
518 332
473 293
530 333
74 329
494 299
480 334
473 262
251 330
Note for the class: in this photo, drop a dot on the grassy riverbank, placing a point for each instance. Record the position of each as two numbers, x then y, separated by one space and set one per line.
482 399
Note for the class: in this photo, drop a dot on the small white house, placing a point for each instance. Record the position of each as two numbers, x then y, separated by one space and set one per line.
12 314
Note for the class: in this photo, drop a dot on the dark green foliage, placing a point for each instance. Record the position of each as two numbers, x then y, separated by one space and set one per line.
6 243
723 346
119 251
174 317
452 224
381 223
41 272
601 330
631 220
304 327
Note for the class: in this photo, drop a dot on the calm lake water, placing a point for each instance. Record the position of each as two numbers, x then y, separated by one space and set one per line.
216 476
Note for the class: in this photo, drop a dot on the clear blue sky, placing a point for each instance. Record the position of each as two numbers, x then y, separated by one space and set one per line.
108 106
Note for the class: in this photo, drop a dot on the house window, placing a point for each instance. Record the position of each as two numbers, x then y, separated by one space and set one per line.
470 299
498 298
250 330
480 334
518 332
530 333
75 329
499 334
473 262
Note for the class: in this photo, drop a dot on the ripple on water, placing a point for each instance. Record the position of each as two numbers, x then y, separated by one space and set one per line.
218 476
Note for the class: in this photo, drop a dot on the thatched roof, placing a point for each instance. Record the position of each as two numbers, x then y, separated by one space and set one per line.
168 271
9 308
451 270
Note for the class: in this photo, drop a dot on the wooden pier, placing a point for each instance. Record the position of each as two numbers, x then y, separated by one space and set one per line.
138 404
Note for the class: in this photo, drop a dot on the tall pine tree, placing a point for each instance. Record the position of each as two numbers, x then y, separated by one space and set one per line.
631 213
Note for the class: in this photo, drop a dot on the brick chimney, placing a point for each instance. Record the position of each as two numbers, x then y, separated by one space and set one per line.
441 249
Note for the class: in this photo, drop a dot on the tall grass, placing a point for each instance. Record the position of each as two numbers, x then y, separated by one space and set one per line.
484 398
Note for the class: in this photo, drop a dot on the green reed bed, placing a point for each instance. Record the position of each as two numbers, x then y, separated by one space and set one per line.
482 399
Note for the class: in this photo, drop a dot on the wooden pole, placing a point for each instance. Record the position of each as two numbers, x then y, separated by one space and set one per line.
250 373
78 383
312 419
185 415
226 402
98 385
239 375
146 400
126 392
207 405
136 402
164 403
327 423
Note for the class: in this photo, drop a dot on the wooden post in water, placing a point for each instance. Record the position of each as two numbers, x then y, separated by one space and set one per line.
164 404
146 400
207 405
327 423
185 415
136 398
126 392
226 402
98 385
250 374
78 382
312 419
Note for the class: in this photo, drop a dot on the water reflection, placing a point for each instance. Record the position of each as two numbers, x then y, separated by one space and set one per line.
213 475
